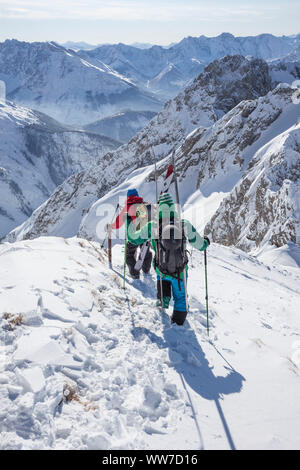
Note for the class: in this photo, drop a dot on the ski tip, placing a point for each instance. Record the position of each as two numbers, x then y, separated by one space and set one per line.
170 171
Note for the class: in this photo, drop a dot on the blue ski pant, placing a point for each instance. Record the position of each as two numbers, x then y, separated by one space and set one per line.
170 286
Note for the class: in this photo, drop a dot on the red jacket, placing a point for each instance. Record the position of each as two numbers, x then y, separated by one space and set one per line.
131 200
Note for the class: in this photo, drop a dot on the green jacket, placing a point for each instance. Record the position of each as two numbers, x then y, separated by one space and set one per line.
166 208
138 237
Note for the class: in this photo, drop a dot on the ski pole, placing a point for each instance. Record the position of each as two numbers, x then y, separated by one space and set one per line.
103 243
185 290
125 256
176 184
109 245
206 291
179 214
157 247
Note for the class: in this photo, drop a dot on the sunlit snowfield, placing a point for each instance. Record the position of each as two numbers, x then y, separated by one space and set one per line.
87 365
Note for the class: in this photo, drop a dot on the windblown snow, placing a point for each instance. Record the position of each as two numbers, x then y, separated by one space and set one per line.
87 365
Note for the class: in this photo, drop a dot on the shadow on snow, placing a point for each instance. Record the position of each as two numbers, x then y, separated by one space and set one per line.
188 359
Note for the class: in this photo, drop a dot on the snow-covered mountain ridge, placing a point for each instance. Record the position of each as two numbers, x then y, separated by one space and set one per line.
249 159
187 58
211 161
218 89
121 126
36 155
58 82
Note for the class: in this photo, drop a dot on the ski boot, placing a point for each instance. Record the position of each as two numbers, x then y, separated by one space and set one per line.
165 303
134 274
178 317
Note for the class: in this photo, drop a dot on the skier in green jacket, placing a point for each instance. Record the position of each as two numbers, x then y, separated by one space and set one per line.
170 253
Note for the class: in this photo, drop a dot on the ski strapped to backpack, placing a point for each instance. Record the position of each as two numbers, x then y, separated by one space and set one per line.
168 179
171 253
146 246
143 215
171 258
115 213
143 252
179 214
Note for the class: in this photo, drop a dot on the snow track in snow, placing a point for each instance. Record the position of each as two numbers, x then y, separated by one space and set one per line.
91 366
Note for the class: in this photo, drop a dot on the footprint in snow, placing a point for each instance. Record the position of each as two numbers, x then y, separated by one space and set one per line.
265 325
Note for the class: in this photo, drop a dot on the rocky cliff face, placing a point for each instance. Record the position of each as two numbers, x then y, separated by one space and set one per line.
264 206
239 178
231 142
217 90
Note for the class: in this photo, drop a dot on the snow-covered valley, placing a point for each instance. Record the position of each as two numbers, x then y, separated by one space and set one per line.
87 365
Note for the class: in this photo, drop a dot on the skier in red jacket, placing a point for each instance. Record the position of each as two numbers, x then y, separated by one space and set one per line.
135 209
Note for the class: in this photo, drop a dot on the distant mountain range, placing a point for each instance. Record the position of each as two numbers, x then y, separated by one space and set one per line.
60 83
79 45
82 86
36 155
148 67
85 46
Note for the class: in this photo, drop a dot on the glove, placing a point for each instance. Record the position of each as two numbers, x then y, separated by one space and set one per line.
208 241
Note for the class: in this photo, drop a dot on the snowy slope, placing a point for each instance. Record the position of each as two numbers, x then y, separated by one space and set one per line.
56 81
121 126
86 365
37 154
169 81
285 71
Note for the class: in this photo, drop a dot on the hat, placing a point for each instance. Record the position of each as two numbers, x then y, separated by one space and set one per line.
166 206
132 192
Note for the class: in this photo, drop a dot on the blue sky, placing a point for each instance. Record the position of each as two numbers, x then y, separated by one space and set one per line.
155 21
